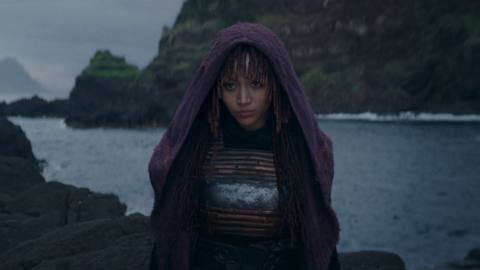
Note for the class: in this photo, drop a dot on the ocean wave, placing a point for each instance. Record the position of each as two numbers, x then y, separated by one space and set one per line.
403 116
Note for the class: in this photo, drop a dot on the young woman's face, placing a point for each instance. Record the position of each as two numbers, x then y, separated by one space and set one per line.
247 100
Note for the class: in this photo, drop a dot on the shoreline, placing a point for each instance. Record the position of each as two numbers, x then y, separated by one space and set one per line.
402 117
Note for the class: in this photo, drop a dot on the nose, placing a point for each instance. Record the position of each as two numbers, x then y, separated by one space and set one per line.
243 97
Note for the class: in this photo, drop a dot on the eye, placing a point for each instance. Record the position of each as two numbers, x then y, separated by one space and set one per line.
229 86
256 84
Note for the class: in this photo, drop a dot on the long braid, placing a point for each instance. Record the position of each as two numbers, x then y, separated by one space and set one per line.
187 170
290 173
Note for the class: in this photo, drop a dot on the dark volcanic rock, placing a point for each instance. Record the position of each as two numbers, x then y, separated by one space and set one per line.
31 209
36 106
102 96
351 56
16 176
98 244
470 262
474 254
13 141
74 204
3 105
47 206
366 260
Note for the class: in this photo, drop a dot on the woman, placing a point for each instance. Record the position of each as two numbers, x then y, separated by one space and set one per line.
242 176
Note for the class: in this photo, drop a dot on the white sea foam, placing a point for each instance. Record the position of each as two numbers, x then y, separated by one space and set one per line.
403 116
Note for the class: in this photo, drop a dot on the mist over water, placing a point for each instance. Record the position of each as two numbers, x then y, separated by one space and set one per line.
409 187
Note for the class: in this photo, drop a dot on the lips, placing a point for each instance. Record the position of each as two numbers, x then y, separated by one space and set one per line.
245 114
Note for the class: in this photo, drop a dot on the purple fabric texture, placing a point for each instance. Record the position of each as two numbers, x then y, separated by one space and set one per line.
175 250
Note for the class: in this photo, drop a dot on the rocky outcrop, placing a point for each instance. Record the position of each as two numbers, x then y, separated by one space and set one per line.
13 142
50 225
102 96
370 260
16 175
98 244
35 107
351 56
3 105
470 262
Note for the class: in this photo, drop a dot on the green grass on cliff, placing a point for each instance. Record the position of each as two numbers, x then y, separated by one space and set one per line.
472 23
104 64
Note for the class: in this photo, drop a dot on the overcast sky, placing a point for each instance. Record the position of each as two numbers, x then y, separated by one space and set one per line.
54 39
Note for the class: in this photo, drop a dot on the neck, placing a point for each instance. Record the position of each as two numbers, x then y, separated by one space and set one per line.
236 136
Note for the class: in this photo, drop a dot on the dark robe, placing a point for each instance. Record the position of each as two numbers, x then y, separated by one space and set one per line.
174 248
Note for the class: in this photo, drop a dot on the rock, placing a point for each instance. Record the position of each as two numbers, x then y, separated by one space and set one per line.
3 105
474 254
36 106
351 56
50 225
370 260
470 262
102 97
75 204
16 176
13 141
99 244
138 247
51 205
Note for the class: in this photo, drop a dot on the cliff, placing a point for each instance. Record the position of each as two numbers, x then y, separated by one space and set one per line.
101 95
351 56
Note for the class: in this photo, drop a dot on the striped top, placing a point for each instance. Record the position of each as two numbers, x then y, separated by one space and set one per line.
238 193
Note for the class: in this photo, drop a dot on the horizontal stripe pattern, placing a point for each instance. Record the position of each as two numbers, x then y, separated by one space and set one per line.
239 195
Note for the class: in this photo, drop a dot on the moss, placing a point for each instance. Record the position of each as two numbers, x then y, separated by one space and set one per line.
396 71
104 64
315 78
184 65
472 23
271 19
468 23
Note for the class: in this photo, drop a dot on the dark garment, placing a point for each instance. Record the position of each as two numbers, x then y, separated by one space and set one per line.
217 256
267 255
234 136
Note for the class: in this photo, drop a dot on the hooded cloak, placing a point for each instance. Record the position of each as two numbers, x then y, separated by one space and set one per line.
175 248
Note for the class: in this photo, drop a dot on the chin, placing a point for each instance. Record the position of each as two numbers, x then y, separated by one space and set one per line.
248 126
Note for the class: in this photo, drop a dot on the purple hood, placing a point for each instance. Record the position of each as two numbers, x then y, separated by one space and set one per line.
321 222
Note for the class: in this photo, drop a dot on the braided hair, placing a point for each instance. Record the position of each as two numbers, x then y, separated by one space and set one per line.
186 171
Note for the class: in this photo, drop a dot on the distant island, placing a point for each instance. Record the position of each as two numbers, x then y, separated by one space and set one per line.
16 83
351 56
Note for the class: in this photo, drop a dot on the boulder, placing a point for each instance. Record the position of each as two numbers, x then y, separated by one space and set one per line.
370 260
36 106
13 141
51 205
98 244
16 175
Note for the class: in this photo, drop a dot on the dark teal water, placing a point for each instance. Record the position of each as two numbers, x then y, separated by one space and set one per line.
412 188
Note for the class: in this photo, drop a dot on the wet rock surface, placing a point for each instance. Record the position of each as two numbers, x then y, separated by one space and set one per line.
50 225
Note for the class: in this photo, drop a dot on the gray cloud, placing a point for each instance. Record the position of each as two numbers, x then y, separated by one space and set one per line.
54 39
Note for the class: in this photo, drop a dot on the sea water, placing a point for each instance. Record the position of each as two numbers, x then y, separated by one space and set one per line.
406 185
